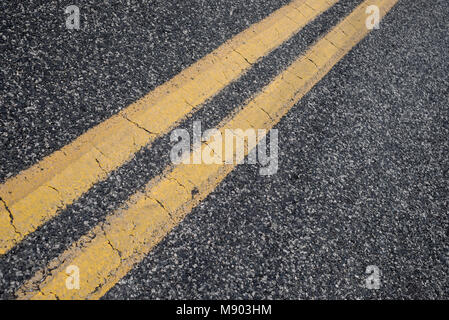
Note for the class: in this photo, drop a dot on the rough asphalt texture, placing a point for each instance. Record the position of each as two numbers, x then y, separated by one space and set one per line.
363 180
176 35
48 242
364 159
57 83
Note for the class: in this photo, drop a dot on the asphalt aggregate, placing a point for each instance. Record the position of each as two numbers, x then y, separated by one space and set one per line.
363 176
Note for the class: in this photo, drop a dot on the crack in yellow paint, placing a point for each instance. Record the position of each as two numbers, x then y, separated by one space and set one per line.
148 216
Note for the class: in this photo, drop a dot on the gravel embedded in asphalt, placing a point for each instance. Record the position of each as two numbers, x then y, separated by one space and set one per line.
364 165
363 180
57 83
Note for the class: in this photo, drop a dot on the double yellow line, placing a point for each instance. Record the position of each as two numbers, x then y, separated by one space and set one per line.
110 249
37 194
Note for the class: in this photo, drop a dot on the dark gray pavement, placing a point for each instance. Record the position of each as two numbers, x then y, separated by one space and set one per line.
56 83
364 157
363 180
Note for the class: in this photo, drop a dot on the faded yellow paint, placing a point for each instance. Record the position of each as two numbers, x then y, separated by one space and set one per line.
131 232
37 194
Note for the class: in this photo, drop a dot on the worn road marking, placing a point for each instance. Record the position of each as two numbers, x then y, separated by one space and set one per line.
111 249
36 195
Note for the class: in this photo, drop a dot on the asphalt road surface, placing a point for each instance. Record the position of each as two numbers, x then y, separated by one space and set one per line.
363 162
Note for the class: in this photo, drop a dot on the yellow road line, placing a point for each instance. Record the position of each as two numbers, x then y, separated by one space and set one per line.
36 195
110 250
